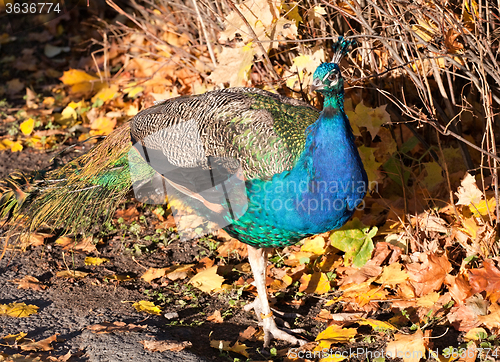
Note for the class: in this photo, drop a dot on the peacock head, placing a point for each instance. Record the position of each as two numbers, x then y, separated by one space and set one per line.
327 78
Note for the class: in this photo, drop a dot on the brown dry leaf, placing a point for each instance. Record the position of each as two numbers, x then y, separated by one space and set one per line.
486 279
35 239
463 318
492 320
146 306
468 193
459 287
314 283
128 215
238 347
43 345
451 42
86 244
207 280
95 261
18 310
71 274
153 273
428 275
204 263
29 282
231 247
162 346
216 317
247 334
411 348
108 327
179 271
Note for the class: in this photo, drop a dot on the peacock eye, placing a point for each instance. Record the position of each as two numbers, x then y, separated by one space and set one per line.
332 77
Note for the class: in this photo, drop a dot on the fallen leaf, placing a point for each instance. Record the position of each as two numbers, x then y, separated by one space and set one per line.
428 275
27 126
215 317
247 334
486 279
18 310
153 273
43 345
238 347
314 245
335 334
370 118
355 239
146 306
314 283
95 261
207 280
108 327
162 346
71 274
29 282
392 275
14 86
378 326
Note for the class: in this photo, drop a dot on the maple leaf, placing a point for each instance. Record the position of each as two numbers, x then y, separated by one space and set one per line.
468 193
370 118
43 345
29 282
486 279
367 155
314 283
146 306
234 65
355 239
18 310
428 275
335 334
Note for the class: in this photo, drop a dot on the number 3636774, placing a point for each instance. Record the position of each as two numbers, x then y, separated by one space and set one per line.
32 8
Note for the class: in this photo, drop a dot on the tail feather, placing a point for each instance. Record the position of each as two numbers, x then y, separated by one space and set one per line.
76 196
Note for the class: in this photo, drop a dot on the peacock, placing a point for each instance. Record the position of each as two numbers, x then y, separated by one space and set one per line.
269 169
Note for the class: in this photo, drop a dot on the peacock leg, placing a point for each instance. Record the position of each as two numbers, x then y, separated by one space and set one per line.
258 261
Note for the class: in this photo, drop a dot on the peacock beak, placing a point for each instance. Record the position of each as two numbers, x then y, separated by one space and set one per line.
316 85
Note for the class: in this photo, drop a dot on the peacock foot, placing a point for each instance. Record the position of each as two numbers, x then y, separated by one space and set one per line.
269 325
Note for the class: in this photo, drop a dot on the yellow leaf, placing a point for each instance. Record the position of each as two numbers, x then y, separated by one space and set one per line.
336 334
370 118
238 347
315 245
69 113
376 325
75 76
476 334
27 126
145 306
314 283
18 310
133 91
106 94
481 208
16 147
95 261
392 275
102 126
207 280
371 165
428 300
